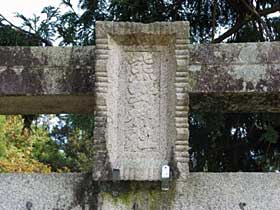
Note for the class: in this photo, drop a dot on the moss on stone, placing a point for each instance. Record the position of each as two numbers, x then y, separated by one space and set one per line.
139 195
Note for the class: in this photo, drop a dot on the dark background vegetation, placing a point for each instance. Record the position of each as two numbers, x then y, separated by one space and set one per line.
219 142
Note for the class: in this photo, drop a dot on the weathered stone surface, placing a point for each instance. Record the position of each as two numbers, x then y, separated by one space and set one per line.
46 71
50 104
141 99
42 192
137 195
47 56
46 80
203 191
242 67
235 102
228 191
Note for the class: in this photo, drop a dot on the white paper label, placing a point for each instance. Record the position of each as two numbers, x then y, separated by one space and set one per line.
165 172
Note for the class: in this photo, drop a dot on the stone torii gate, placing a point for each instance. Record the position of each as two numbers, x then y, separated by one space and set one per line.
140 80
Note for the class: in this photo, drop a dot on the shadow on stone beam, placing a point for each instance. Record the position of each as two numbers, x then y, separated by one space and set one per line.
235 102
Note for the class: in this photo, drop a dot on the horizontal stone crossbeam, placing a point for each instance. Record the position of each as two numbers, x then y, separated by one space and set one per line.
46 80
140 80
235 67
222 77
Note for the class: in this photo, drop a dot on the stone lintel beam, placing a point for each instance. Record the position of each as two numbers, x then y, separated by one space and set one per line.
235 102
46 80
47 104
35 71
238 67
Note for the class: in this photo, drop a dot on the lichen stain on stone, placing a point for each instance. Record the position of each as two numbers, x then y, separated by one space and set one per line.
141 196
217 79
78 79
246 67
79 75
274 53
232 78
15 74
83 56
248 54
213 54
32 81
273 75
29 205
13 82
248 73
10 82
86 193
18 56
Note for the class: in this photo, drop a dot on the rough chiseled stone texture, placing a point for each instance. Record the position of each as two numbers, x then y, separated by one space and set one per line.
222 76
46 71
46 80
141 98
42 192
238 67
204 191
228 191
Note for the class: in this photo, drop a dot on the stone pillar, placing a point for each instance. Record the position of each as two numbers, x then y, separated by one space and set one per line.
141 99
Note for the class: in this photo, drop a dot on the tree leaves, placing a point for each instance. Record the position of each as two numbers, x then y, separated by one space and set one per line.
234 142
270 135
76 29
16 149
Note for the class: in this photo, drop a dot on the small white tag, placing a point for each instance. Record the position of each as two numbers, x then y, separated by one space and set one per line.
165 172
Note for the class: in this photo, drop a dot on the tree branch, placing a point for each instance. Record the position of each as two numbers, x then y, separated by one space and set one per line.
275 8
46 42
231 31
214 19
262 24
242 22
250 8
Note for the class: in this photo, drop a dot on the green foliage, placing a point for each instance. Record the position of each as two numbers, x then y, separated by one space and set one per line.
270 135
74 135
45 28
16 146
234 142
3 147
11 37
49 153
205 17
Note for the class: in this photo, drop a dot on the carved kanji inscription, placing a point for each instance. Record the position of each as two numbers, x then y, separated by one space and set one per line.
142 97
141 93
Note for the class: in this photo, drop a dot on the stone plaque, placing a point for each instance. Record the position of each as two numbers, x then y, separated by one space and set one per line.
136 85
